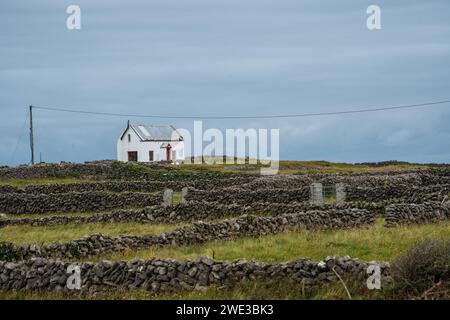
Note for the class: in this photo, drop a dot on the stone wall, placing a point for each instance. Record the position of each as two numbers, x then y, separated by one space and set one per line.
16 203
418 178
9 189
407 213
244 196
194 234
166 275
248 196
109 170
94 169
188 212
122 186
415 194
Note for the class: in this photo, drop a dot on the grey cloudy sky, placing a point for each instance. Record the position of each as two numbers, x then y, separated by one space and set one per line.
228 57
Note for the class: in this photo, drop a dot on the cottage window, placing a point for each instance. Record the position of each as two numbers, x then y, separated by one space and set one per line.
129 138
151 155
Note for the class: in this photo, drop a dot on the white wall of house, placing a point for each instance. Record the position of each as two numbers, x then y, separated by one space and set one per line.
132 142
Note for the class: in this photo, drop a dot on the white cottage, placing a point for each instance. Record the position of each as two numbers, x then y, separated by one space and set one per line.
147 143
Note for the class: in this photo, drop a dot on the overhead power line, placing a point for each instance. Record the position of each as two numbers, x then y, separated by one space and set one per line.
409 106
20 137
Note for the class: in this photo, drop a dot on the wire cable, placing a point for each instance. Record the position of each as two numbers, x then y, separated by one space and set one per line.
20 137
377 109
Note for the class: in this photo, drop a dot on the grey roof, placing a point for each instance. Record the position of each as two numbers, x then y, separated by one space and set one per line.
157 132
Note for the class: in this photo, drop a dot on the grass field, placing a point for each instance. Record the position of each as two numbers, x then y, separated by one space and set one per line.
255 290
372 243
29 234
289 167
52 214
367 244
375 243
285 167
22 183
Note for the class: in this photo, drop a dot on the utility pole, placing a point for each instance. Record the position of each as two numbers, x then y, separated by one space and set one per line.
31 135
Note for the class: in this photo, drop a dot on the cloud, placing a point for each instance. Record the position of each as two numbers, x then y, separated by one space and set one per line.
229 58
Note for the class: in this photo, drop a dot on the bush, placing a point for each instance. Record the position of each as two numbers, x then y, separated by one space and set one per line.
422 266
9 252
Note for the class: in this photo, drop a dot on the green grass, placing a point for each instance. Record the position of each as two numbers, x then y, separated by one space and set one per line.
375 243
22 183
53 214
30 234
295 166
177 195
134 170
322 166
254 290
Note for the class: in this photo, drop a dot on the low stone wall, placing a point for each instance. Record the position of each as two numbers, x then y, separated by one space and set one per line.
16 203
247 196
110 170
244 196
188 212
9 189
99 169
403 213
414 194
168 275
411 178
135 186
194 234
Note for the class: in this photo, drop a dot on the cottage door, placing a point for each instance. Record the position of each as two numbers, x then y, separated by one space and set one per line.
168 151
132 156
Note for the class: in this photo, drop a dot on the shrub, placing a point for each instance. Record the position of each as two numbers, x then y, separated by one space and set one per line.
9 252
422 266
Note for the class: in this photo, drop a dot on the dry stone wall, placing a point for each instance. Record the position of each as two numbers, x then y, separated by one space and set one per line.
110 170
188 212
167 275
413 194
17 203
194 234
418 178
9 189
395 193
93 169
245 196
398 214
126 186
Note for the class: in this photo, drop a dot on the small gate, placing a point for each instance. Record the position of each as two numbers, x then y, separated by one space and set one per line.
328 194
